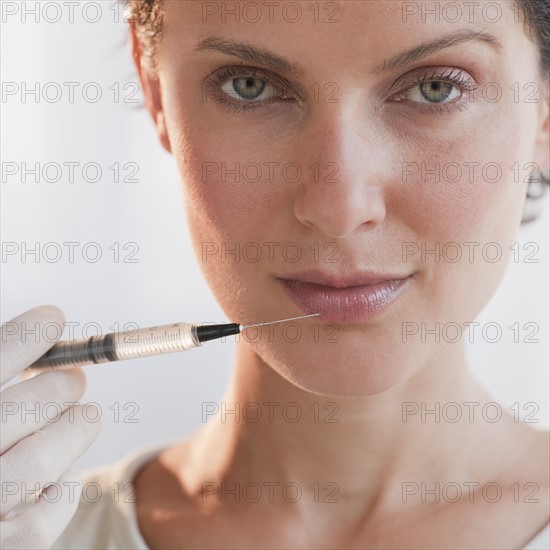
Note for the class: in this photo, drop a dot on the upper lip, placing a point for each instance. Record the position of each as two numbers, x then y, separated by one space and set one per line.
356 278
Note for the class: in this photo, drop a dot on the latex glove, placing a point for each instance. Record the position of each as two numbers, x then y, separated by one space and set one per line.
41 436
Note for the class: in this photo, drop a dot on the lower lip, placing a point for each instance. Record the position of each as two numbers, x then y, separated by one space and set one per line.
340 305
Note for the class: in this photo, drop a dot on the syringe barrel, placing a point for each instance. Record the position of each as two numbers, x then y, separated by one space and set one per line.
119 346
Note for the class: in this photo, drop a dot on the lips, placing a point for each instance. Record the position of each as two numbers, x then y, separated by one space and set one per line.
352 298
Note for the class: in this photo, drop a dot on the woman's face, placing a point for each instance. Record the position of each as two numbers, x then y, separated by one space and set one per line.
373 138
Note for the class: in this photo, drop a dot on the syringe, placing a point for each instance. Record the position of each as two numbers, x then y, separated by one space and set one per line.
131 344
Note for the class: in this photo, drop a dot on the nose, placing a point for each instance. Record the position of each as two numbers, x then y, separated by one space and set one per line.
344 189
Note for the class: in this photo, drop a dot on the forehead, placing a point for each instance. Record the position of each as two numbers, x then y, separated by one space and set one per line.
347 38
309 23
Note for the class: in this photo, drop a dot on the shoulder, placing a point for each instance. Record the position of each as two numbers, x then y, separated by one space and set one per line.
105 517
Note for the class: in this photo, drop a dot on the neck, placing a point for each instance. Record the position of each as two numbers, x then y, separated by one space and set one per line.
366 450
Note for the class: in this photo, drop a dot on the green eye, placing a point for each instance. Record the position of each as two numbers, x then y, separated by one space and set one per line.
248 88
433 91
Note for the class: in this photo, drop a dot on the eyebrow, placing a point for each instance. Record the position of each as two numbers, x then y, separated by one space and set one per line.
246 52
429 48
251 54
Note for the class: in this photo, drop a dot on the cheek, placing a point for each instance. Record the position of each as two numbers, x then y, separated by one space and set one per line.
468 178
229 176
234 204
461 202
231 197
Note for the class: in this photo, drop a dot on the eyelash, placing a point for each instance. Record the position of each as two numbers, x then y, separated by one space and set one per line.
453 76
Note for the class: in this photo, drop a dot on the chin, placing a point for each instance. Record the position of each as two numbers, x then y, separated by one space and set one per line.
349 368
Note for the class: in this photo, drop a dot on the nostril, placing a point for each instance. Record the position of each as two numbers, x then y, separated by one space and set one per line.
338 212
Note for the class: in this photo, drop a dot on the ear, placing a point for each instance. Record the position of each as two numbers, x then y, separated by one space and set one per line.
542 145
150 85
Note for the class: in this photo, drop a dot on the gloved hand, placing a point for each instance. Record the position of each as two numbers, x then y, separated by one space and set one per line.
41 435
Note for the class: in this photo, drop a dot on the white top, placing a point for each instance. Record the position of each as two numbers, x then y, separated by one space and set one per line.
106 520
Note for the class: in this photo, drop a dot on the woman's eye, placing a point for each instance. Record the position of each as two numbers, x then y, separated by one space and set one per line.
249 89
434 91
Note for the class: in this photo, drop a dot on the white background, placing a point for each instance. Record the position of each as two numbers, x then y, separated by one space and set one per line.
166 284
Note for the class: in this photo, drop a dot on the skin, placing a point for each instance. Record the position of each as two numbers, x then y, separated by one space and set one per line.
363 379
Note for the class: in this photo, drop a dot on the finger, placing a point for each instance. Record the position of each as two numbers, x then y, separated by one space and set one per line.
25 339
41 524
42 457
28 406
